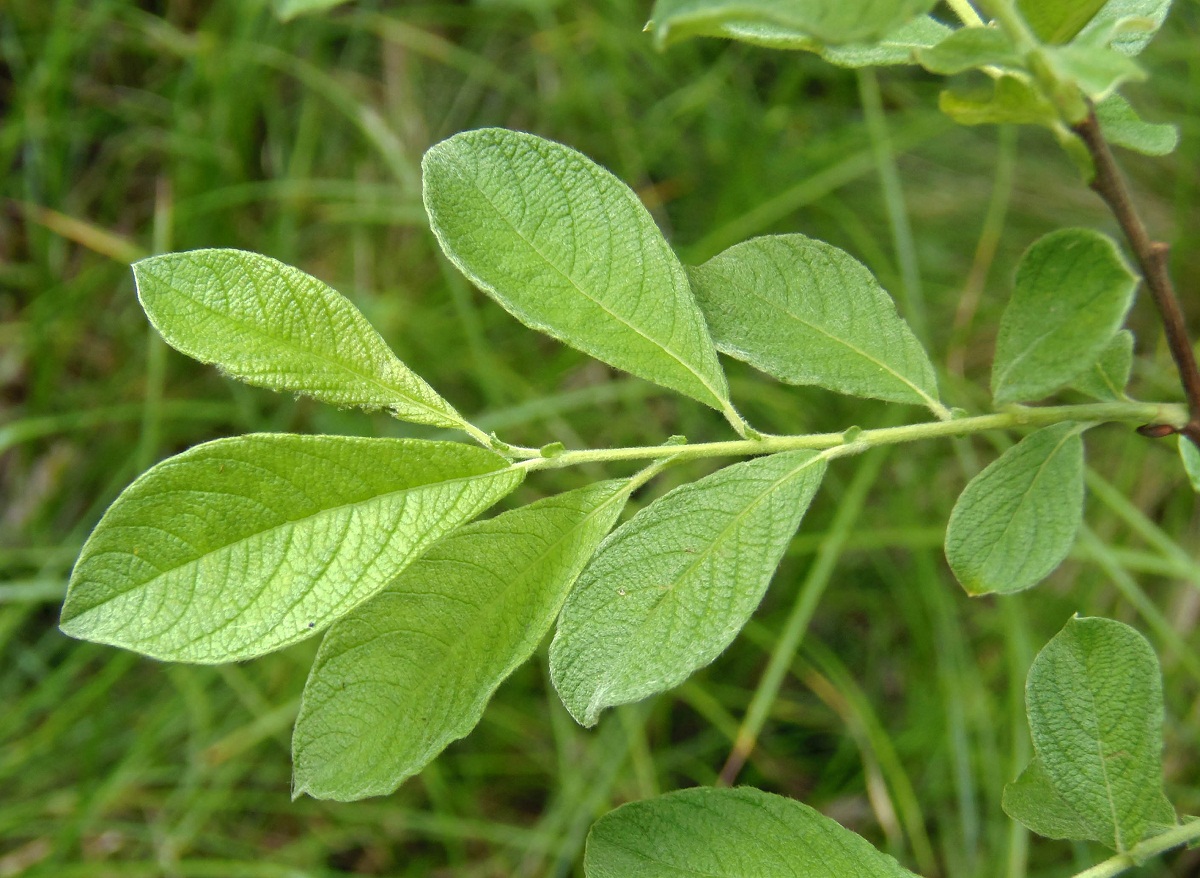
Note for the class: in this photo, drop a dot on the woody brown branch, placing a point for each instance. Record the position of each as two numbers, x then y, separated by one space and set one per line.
1152 257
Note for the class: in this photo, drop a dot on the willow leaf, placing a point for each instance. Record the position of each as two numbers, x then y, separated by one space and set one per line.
808 313
272 325
1094 698
828 21
729 833
241 546
1072 291
671 588
1015 521
569 250
411 670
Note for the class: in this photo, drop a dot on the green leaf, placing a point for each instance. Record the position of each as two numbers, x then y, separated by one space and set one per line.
1122 125
1191 461
894 47
241 546
1011 101
1033 801
286 10
272 325
1072 291
808 313
1107 377
411 670
1128 25
672 587
1058 21
1015 521
569 250
728 833
1097 70
969 48
828 21
1094 698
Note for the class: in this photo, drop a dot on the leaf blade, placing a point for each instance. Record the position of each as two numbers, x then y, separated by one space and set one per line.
828 21
272 325
970 48
1015 521
1147 15
806 312
569 250
1072 292
728 833
628 629
1094 698
309 526
1190 456
412 669
1109 375
1058 21
1123 126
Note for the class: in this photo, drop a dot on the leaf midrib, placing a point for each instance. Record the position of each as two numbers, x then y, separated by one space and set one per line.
306 520
704 382
685 572
991 550
457 646
929 400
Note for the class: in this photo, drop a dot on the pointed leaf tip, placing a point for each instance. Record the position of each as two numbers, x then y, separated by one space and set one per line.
274 326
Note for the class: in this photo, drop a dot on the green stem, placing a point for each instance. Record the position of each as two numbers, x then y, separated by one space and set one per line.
1151 847
1010 21
966 13
856 442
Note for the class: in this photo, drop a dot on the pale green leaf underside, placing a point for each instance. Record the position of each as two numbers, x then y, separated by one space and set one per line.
1010 101
411 670
272 325
671 588
1072 291
895 47
969 48
1191 461
1015 521
1108 376
1097 70
828 21
569 250
1123 126
729 833
808 313
1141 20
241 546
1094 698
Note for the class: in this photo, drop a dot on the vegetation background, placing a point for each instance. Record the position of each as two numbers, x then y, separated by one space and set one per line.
136 127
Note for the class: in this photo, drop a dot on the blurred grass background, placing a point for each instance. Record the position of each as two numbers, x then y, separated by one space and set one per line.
129 128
